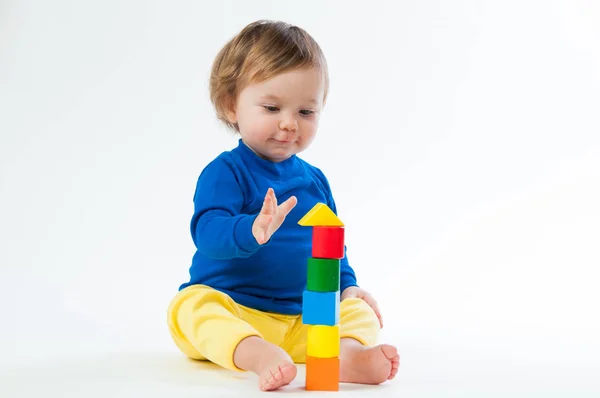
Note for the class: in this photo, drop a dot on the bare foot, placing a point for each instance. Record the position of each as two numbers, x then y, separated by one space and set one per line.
367 365
277 376
271 363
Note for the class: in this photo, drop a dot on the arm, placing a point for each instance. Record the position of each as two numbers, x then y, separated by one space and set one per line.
218 228
348 286
347 274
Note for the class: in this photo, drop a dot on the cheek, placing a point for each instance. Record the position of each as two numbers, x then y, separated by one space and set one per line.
255 123
310 127
262 125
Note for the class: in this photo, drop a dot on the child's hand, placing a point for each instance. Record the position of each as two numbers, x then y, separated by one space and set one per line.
271 216
355 291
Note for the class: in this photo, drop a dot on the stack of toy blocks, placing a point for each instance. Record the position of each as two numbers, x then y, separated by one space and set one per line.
321 299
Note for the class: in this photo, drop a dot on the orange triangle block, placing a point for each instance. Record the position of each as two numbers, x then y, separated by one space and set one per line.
320 216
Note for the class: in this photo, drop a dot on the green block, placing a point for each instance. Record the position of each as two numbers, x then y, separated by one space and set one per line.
323 275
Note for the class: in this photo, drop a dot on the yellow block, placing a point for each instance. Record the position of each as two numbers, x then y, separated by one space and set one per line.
320 216
323 341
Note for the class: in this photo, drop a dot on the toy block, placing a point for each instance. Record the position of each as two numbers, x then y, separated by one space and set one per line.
323 275
328 242
320 215
323 341
321 308
322 374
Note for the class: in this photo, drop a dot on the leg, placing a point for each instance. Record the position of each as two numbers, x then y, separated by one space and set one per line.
360 360
271 363
367 365
208 324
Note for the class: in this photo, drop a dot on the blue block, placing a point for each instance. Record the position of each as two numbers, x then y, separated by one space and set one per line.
321 308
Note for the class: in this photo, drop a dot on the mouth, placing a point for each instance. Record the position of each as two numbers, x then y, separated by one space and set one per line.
282 142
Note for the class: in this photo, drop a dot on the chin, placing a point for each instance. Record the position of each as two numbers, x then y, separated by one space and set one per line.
281 156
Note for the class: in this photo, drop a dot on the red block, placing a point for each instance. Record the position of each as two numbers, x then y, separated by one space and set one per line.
328 242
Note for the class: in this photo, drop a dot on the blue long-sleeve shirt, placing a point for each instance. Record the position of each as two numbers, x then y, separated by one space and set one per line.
229 195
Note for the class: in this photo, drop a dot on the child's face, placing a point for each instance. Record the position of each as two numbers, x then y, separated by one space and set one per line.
279 117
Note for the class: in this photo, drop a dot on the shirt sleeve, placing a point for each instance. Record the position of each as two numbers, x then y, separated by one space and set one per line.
347 274
218 227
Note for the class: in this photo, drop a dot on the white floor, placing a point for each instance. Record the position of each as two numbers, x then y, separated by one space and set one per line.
468 177
458 366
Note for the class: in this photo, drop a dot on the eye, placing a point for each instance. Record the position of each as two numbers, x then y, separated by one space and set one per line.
271 108
306 112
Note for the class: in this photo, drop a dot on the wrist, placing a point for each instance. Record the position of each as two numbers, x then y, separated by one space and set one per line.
244 235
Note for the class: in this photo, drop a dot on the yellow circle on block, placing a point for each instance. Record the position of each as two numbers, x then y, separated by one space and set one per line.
323 341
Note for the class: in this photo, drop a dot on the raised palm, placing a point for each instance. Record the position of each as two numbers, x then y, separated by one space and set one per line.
271 216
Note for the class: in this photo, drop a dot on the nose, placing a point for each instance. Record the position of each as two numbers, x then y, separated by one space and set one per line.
288 124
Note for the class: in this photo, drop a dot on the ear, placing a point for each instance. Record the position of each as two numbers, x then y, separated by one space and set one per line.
230 112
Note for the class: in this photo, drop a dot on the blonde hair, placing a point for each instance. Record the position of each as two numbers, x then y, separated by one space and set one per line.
262 50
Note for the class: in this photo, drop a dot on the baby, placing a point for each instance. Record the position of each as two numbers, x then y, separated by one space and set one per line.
241 308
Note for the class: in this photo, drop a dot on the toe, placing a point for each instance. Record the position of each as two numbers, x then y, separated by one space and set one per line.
276 375
395 366
265 384
269 381
389 351
274 379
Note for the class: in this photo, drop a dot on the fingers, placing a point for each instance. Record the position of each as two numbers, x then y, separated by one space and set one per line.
264 221
352 292
373 303
273 202
271 192
271 216
269 203
288 205
260 228
378 313
264 229
349 292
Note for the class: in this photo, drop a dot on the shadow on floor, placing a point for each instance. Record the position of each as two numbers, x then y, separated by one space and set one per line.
133 374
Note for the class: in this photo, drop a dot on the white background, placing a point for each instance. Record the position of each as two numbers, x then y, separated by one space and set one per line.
462 141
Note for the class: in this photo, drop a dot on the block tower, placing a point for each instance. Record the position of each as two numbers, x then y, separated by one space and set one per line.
321 299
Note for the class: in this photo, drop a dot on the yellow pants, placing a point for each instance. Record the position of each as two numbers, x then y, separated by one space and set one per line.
207 324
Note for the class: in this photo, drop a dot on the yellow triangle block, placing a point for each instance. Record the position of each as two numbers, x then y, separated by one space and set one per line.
320 216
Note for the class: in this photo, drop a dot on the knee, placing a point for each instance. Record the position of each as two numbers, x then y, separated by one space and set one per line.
355 309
